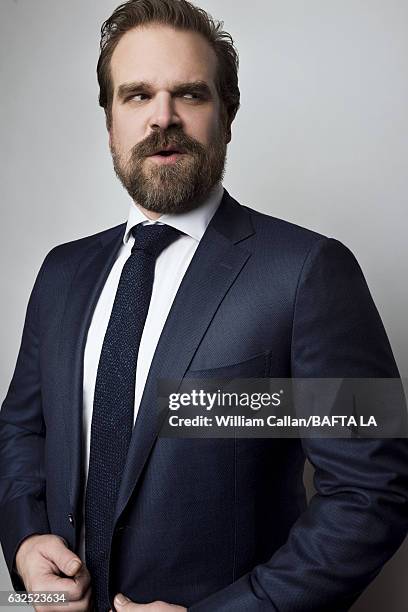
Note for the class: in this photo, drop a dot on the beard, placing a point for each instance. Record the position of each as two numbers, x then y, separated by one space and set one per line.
177 187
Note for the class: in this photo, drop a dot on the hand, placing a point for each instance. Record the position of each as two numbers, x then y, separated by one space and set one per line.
124 604
40 561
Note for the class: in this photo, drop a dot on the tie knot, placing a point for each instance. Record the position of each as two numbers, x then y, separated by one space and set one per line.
153 239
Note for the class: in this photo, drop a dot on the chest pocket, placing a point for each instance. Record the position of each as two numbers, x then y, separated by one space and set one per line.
255 367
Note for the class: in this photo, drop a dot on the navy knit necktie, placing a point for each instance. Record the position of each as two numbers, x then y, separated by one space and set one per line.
113 407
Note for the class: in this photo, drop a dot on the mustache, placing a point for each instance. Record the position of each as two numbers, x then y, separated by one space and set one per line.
158 140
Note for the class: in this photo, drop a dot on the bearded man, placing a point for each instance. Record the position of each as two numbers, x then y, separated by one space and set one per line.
93 501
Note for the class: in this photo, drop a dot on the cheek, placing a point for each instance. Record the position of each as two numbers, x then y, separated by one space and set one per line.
125 133
217 130
206 129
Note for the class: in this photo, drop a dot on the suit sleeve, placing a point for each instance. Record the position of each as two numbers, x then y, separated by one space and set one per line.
22 434
359 515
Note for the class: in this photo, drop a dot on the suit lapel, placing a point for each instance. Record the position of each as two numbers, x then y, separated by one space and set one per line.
216 263
86 286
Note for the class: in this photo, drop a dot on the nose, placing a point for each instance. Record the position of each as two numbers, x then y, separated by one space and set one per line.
163 112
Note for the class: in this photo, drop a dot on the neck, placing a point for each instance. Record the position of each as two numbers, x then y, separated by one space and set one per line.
148 213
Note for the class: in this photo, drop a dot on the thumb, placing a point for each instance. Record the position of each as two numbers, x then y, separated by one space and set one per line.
121 600
66 560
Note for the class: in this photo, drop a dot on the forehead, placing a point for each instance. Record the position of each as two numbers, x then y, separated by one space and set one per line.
163 55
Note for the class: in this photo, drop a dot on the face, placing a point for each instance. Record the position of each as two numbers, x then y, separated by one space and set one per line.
167 136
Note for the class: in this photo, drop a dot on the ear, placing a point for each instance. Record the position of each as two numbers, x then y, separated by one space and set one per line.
227 130
226 121
110 132
108 124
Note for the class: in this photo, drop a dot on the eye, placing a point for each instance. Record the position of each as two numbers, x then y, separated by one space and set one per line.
138 97
191 96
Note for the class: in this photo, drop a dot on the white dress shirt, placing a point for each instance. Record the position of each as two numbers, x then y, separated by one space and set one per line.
170 268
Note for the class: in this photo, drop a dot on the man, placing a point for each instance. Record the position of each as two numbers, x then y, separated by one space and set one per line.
93 501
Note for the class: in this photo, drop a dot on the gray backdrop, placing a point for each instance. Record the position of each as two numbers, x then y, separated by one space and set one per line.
320 140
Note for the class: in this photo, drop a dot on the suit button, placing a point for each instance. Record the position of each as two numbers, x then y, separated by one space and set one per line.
71 519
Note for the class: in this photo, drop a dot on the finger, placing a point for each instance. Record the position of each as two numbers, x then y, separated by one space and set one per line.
83 605
122 602
80 605
67 561
83 577
74 589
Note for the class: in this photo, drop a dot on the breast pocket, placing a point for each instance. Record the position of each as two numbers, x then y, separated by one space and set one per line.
254 367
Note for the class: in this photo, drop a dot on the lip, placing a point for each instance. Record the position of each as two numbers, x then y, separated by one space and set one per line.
169 159
170 147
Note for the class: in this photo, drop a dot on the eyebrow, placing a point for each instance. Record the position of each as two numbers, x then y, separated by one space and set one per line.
199 87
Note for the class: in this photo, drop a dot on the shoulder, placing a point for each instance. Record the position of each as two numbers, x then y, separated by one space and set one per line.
271 225
76 248
270 229
292 242
62 261
71 253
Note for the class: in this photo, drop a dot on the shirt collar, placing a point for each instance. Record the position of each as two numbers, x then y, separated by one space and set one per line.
193 223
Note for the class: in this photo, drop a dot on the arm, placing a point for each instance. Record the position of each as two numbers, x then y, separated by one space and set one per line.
359 515
22 432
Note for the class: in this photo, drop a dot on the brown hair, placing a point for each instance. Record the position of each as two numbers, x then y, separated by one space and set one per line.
179 14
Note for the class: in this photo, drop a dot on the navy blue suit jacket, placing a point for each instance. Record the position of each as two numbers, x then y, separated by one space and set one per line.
213 524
